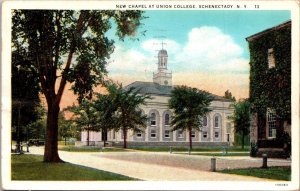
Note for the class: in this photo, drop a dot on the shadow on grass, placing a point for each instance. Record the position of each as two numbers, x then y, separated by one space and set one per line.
32 167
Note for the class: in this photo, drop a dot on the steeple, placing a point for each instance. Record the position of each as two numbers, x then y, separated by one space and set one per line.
162 77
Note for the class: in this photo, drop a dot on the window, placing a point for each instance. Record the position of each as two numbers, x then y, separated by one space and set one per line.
139 134
271 58
217 121
180 134
204 121
193 134
167 119
204 134
271 122
153 119
216 134
153 133
167 134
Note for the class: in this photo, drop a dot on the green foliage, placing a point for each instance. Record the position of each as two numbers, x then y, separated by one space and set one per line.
119 109
189 105
271 88
66 128
45 37
228 95
61 46
31 167
25 96
276 173
85 116
241 118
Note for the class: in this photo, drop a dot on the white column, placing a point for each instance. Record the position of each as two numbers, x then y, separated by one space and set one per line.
161 127
174 136
212 128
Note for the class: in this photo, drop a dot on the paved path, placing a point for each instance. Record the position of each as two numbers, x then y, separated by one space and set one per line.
162 167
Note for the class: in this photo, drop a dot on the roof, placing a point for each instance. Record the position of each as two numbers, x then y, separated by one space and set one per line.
157 89
257 35
163 51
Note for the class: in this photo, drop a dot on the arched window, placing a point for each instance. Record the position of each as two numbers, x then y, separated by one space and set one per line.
153 119
217 121
167 119
204 121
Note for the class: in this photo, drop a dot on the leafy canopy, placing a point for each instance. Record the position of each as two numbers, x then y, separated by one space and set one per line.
68 44
189 105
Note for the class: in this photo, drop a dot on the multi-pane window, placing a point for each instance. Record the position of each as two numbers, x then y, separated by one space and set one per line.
167 134
139 134
271 122
167 119
153 119
193 134
216 134
204 121
217 121
153 133
271 58
180 134
204 134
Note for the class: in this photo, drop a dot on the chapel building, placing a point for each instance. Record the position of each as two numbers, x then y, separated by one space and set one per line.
217 128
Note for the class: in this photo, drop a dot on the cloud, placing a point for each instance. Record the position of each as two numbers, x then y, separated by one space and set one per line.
210 60
208 48
129 61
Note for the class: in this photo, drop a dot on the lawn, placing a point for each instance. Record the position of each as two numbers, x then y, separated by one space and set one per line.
90 149
229 154
186 149
276 173
31 167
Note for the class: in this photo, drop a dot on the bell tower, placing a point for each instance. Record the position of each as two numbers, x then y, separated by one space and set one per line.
162 76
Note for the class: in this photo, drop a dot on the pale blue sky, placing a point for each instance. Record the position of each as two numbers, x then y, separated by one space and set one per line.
204 47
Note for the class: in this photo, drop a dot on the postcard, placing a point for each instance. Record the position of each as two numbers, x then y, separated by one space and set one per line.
150 95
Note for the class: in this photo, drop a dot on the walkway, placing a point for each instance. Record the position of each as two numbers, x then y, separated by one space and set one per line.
158 166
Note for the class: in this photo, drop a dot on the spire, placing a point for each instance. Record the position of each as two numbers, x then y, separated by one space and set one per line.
162 58
162 77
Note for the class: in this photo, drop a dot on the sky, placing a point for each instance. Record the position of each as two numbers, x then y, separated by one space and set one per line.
206 49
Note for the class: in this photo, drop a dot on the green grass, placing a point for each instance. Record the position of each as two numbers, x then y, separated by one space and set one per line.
223 155
90 149
185 149
276 173
32 167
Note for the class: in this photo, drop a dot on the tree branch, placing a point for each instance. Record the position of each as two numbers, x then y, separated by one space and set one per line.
77 33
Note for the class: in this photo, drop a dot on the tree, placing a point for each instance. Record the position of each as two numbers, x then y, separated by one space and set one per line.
104 104
49 40
64 127
123 112
228 95
190 105
241 118
25 97
85 117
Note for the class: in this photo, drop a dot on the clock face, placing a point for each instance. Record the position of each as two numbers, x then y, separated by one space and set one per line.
166 82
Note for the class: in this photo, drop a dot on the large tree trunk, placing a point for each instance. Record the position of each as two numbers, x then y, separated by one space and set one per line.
125 138
51 151
190 136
